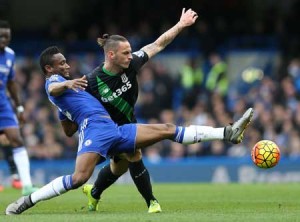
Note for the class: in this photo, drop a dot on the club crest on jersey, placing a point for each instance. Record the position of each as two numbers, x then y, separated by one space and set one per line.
88 142
124 78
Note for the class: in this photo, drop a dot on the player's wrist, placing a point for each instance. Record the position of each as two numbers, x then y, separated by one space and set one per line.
180 25
20 109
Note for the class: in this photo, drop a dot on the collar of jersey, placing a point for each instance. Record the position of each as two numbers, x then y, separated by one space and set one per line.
108 72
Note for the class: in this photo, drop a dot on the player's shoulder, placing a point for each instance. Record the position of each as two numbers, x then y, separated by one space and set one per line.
9 50
95 72
55 78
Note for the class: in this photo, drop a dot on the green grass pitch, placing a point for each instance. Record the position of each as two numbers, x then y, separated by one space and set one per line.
180 202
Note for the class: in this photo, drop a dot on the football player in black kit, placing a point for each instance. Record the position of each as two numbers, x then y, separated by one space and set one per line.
115 85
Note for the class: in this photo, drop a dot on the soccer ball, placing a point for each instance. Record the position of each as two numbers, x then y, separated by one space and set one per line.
265 154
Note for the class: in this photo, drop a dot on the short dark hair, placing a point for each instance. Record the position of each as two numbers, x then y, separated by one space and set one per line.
46 57
4 24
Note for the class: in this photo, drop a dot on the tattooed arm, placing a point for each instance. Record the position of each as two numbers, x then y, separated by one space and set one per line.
187 19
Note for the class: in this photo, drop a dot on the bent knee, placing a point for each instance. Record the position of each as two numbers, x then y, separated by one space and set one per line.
137 156
120 167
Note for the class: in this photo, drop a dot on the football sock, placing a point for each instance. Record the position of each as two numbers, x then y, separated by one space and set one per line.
141 178
22 162
8 155
55 188
195 134
105 179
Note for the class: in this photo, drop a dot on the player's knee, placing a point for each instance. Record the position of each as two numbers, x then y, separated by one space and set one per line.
170 127
119 168
16 141
137 156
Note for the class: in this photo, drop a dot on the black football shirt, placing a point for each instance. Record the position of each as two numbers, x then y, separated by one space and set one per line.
118 92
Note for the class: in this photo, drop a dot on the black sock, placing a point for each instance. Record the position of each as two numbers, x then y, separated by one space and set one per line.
141 178
8 155
104 180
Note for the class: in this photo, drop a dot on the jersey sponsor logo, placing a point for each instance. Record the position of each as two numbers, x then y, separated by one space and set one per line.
114 97
118 92
139 53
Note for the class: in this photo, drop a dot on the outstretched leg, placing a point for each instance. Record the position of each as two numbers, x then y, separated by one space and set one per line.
148 134
84 168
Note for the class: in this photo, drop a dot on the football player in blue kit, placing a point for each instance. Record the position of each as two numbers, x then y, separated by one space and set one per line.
9 124
99 136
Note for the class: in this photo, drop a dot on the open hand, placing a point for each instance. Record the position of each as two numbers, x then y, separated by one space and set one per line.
77 84
188 17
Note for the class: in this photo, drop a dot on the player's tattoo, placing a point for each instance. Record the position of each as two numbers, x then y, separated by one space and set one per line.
165 39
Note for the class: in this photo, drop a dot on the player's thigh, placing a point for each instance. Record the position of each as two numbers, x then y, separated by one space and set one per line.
14 136
148 134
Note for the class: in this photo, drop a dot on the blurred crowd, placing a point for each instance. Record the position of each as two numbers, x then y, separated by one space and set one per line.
193 96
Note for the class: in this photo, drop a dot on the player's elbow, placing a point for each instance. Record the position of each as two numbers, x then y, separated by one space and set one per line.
69 134
69 131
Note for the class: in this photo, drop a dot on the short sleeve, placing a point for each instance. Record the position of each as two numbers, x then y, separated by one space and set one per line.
11 74
139 59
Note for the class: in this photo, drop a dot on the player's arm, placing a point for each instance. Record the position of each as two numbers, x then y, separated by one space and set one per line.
58 88
13 90
187 19
69 127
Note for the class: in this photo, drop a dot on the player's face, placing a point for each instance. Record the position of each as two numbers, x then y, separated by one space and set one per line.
60 65
123 55
5 37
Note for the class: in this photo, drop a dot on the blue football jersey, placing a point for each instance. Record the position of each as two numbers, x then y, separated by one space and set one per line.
76 106
7 60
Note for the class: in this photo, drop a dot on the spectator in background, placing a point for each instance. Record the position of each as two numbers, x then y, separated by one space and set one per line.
191 79
217 80
294 72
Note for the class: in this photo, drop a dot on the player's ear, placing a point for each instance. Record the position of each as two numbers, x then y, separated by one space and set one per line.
48 68
111 54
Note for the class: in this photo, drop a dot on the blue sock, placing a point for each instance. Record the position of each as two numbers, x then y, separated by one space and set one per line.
67 182
179 133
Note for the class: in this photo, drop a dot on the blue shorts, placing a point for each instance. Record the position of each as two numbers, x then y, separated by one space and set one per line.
8 118
103 136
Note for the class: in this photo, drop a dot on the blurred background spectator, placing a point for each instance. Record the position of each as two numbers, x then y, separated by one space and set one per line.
239 54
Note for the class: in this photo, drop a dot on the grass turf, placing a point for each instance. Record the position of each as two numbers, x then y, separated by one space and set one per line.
180 202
